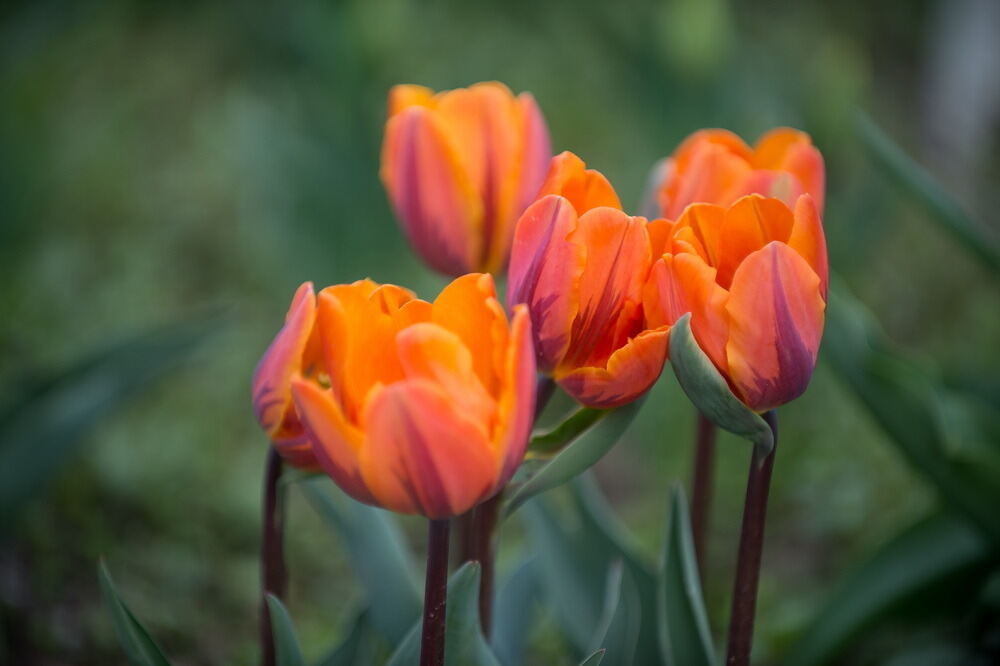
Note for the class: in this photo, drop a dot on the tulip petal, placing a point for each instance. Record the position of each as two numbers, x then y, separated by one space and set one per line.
715 175
544 271
536 151
516 408
789 150
468 307
630 372
335 442
421 455
404 96
807 238
428 351
776 322
684 283
750 224
705 222
431 192
271 384
585 188
617 264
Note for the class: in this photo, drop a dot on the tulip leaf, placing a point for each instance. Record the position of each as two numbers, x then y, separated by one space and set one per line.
618 630
378 554
588 446
710 392
514 613
594 659
904 399
41 429
140 648
573 555
935 554
683 624
464 644
355 649
286 644
913 178
566 431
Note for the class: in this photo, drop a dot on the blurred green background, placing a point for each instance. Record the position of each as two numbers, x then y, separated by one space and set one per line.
186 165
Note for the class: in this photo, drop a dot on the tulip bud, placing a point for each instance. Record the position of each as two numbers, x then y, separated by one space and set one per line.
579 263
460 167
417 407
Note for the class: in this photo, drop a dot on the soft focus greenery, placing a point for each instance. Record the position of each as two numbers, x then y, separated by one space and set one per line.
159 161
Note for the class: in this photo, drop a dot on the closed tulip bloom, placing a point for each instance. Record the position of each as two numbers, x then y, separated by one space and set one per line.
579 263
460 167
715 166
294 352
753 276
420 408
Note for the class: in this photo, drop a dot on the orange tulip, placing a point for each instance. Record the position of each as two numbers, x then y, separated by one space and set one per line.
460 167
294 352
717 167
417 407
579 263
753 276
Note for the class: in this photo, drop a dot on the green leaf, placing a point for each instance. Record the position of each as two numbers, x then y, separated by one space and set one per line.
710 392
356 648
587 448
903 398
464 644
514 613
684 634
286 643
41 429
933 554
594 659
566 431
618 630
140 649
913 178
378 554
573 555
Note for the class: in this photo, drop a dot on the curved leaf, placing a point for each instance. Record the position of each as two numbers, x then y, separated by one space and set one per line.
42 428
286 643
586 449
901 168
378 554
464 644
683 624
356 648
618 631
594 659
140 648
931 554
710 392
514 614
566 431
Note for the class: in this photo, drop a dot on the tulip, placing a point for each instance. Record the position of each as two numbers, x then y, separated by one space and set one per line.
417 407
460 167
295 351
754 278
579 263
717 167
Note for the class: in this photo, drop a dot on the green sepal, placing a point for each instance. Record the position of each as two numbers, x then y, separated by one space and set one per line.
710 392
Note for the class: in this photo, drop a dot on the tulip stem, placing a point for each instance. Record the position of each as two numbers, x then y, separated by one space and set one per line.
544 389
701 489
751 547
485 551
435 594
272 555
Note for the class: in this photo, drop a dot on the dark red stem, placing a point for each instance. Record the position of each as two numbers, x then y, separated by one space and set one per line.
435 594
701 489
485 552
272 552
751 546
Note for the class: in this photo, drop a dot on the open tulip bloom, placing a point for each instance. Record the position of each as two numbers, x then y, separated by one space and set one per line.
413 406
579 263
460 166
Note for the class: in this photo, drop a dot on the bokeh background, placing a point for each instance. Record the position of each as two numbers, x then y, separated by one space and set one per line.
170 172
